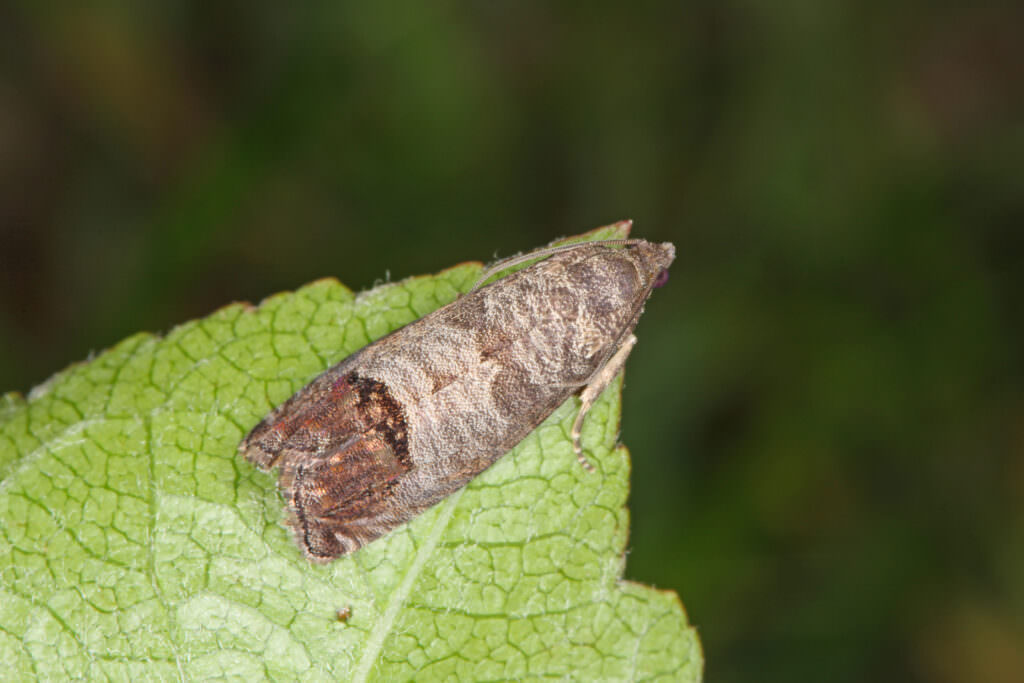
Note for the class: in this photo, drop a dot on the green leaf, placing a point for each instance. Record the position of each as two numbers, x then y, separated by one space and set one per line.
136 544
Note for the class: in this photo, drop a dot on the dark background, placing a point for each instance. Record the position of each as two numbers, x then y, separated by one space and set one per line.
825 407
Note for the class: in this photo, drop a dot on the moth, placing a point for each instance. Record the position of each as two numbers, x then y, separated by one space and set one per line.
396 427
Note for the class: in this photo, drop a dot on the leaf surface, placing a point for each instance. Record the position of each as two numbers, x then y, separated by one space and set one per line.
134 543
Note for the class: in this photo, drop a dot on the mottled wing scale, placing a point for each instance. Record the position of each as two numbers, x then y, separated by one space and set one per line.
265 444
339 444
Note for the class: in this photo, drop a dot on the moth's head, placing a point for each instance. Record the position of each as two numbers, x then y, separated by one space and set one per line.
654 260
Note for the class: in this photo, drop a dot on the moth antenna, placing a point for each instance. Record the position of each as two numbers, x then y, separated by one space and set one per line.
512 261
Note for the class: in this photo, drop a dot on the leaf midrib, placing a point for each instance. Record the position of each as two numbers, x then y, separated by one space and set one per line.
375 643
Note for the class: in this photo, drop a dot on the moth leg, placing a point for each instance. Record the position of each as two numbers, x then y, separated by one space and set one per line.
598 382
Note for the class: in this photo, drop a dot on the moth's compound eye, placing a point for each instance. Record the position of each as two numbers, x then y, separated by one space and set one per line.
661 278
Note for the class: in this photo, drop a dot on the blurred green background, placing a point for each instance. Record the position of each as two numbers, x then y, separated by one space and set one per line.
825 407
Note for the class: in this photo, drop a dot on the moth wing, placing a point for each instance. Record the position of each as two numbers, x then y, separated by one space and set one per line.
265 443
340 460
330 499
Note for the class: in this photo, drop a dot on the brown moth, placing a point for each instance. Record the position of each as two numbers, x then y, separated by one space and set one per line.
399 425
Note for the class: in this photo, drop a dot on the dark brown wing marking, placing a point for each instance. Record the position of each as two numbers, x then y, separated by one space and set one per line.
339 459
